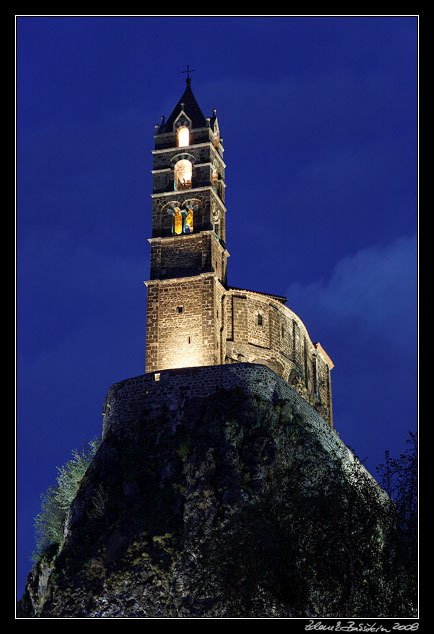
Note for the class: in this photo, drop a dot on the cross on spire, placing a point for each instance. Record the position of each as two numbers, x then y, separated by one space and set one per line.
188 71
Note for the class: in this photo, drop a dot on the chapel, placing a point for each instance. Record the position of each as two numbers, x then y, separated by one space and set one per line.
194 317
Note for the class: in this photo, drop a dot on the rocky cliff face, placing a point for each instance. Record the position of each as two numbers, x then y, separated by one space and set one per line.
227 505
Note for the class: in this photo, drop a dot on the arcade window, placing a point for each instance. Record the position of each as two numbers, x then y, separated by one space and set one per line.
182 220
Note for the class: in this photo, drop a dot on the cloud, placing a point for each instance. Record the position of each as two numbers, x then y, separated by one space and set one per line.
373 292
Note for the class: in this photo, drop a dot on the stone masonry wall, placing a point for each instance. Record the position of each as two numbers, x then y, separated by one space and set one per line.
187 255
195 321
183 328
262 330
128 400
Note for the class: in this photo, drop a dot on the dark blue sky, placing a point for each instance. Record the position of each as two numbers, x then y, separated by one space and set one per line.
319 122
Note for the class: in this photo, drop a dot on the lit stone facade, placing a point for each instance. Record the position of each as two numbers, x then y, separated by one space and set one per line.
193 317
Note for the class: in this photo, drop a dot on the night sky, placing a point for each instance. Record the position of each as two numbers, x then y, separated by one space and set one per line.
319 123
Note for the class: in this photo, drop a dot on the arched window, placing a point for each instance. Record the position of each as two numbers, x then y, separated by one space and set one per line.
182 220
188 225
183 174
214 178
216 223
177 222
183 136
259 319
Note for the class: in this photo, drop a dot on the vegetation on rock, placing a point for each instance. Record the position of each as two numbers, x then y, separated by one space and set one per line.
56 501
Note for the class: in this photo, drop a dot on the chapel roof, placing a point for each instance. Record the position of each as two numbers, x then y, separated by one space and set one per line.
279 298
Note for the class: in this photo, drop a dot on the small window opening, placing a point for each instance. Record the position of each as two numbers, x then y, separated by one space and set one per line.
189 340
187 220
157 376
259 319
183 136
177 222
216 223
180 309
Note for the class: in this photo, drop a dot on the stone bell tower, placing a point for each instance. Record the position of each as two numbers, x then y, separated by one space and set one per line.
188 249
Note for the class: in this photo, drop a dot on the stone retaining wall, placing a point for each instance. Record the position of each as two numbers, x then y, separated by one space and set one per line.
130 399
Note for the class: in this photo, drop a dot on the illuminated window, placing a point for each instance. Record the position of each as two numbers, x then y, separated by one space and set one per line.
182 220
177 222
216 223
183 136
183 174
188 220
